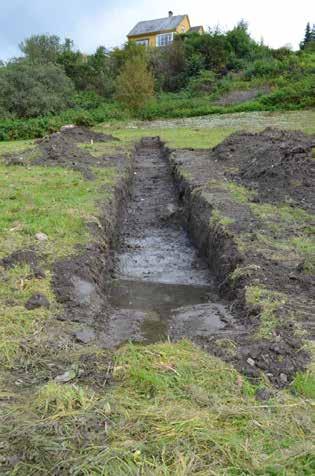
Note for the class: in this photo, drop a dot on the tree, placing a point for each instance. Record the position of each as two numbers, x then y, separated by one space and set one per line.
135 84
28 90
307 36
169 65
240 40
42 49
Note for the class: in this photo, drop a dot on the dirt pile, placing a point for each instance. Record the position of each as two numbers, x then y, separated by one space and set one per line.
278 165
61 148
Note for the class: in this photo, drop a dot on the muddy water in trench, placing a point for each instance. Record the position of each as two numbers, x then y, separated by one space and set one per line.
162 287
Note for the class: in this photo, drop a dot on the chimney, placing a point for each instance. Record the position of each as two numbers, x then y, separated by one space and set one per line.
170 14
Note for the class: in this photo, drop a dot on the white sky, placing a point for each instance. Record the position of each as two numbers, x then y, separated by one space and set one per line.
278 22
91 23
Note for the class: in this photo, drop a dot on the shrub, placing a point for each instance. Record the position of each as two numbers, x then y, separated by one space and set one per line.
204 83
135 84
29 90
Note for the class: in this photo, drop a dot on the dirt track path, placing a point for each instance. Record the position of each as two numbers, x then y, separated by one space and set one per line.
162 287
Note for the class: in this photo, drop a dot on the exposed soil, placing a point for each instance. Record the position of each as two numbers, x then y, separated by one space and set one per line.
163 287
277 164
238 96
201 177
61 149
21 257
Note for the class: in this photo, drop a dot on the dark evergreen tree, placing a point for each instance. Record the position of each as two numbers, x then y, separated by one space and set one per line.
307 36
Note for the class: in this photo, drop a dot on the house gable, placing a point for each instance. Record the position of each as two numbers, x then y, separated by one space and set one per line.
159 32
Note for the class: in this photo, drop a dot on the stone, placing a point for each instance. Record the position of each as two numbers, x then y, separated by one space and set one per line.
85 336
283 379
263 394
41 236
251 362
169 211
39 273
67 127
36 301
66 377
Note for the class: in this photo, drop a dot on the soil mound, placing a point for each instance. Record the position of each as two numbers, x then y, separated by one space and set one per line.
277 164
20 257
61 148
83 134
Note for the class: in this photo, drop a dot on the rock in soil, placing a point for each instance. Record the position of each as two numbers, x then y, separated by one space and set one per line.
36 301
85 336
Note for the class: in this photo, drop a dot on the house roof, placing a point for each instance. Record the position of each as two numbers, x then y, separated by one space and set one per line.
155 26
196 28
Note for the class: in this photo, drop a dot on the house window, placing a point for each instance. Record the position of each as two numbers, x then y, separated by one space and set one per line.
164 39
143 42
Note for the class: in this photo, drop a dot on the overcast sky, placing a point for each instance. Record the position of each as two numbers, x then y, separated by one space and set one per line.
91 23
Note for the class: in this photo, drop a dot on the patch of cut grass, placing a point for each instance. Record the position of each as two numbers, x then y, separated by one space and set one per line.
58 202
10 147
239 193
177 137
242 272
55 201
281 214
305 247
173 410
269 302
219 219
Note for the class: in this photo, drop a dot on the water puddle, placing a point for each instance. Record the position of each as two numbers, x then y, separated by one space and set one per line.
152 310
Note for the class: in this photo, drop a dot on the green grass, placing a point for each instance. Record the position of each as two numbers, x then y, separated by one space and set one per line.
17 323
287 232
175 137
304 384
239 193
54 201
269 303
58 202
174 410
10 147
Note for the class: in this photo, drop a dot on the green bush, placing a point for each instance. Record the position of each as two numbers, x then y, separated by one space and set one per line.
204 83
31 90
135 84
16 129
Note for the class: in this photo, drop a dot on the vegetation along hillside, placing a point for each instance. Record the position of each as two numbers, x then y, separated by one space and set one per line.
53 84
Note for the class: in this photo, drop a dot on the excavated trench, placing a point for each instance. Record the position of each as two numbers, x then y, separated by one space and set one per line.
161 287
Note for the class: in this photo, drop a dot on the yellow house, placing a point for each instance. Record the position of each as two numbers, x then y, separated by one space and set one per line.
161 32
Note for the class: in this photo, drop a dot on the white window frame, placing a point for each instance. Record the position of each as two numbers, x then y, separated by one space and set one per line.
164 39
144 42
